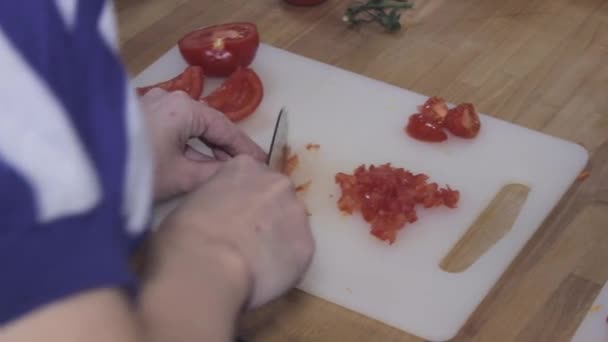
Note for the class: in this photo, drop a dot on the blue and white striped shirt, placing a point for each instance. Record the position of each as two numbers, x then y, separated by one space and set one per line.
75 171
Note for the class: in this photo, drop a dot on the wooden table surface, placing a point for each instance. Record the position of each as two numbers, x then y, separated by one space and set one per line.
542 64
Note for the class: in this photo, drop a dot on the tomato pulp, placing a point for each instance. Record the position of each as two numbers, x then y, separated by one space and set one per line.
191 81
221 49
422 128
239 96
463 121
435 109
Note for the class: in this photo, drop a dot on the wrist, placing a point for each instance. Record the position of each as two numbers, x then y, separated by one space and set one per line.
193 295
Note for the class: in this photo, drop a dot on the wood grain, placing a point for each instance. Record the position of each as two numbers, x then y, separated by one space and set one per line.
542 64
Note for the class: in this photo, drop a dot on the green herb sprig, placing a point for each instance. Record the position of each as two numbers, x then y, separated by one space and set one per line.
385 12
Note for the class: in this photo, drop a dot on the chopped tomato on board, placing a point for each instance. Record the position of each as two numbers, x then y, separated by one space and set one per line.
221 49
583 175
435 109
387 197
304 186
291 163
238 96
311 147
191 81
421 128
463 121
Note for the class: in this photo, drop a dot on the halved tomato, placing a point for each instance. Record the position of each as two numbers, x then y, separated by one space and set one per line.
422 128
221 49
239 95
463 121
190 80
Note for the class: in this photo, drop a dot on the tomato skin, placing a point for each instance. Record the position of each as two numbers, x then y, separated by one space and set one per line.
221 49
191 81
435 109
239 96
463 121
305 2
421 128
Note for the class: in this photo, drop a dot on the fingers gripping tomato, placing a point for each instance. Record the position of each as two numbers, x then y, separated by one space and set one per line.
221 49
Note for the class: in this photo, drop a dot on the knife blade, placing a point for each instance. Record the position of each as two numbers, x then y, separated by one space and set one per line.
278 146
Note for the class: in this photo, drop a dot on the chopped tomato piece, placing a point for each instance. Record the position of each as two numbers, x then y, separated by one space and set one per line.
450 197
582 176
221 49
435 109
190 81
239 96
291 163
303 187
421 128
387 197
463 121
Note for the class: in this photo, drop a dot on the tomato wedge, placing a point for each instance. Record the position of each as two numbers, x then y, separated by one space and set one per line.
463 121
422 128
434 109
190 81
239 96
221 49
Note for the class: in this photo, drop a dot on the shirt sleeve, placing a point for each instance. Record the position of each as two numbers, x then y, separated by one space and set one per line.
75 172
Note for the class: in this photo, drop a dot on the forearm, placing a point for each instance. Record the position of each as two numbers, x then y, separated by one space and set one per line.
186 300
95 315
180 302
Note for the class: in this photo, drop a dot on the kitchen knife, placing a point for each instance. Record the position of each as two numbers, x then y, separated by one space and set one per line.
278 147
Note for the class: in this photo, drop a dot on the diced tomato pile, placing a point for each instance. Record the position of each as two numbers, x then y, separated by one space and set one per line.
387 197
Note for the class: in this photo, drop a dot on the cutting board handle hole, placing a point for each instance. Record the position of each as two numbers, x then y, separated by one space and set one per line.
490 226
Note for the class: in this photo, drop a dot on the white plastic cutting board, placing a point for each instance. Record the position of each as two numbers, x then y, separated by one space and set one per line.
359 120
594 327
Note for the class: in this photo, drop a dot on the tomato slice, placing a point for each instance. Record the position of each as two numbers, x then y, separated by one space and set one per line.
239 96
435 109
421 128
463 121
190 80
221 49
